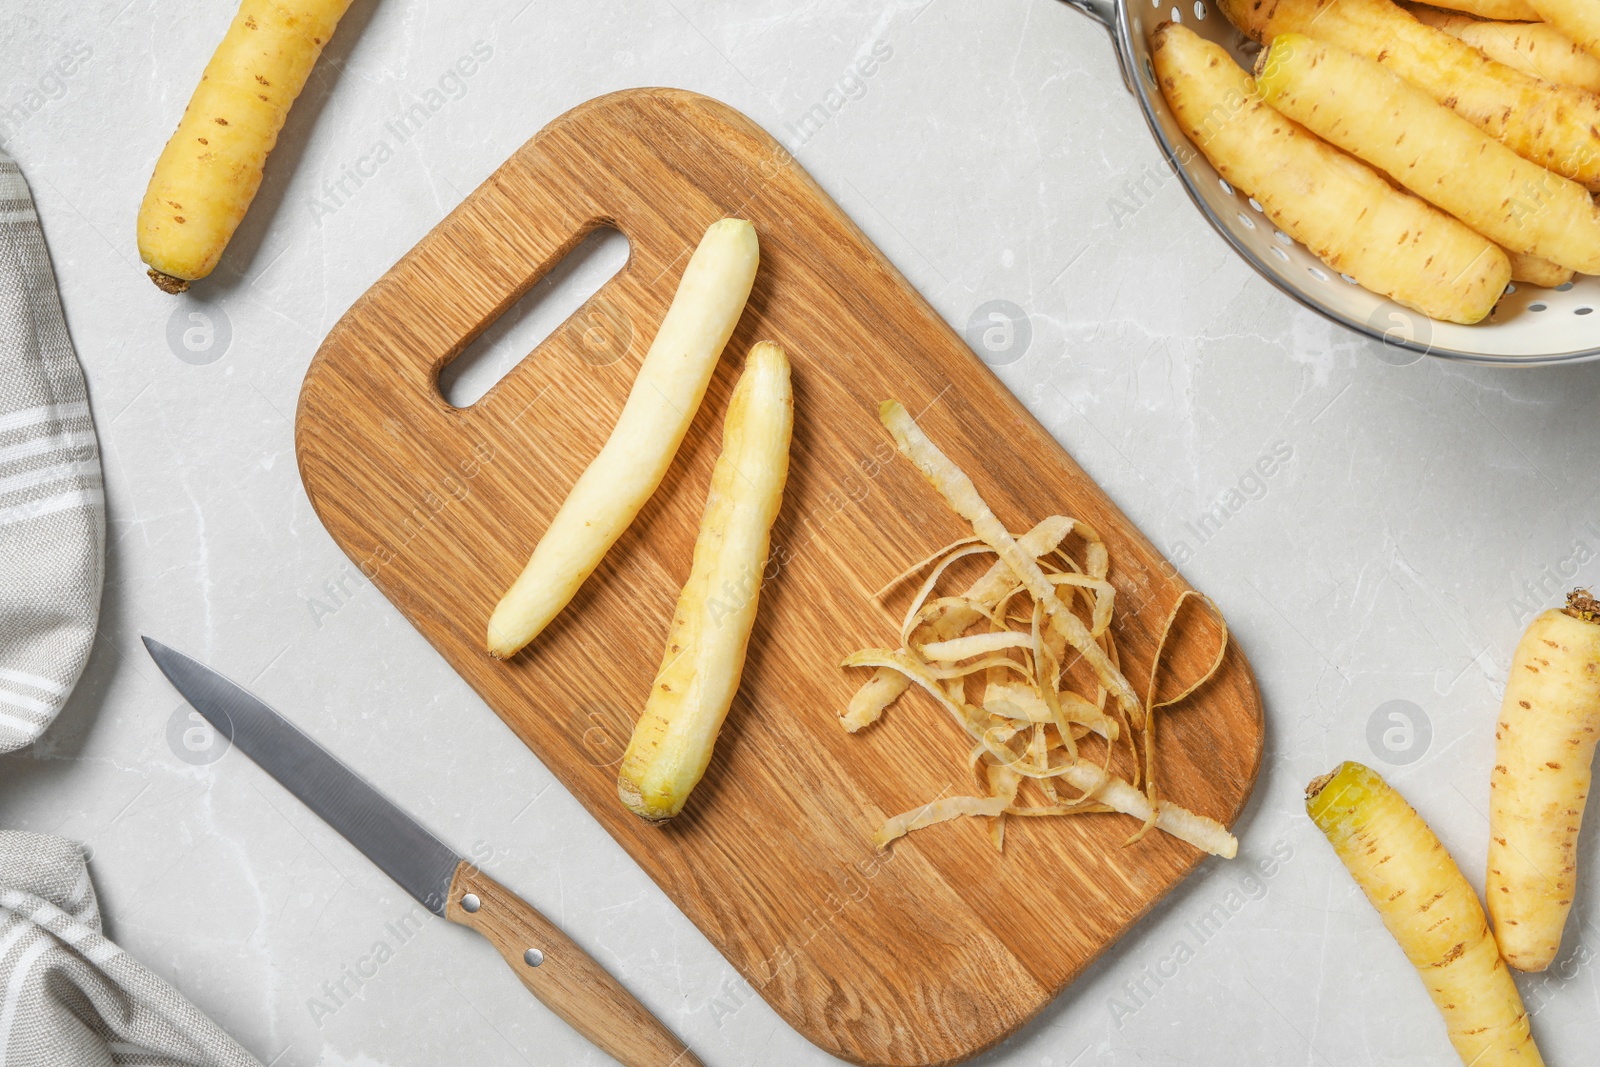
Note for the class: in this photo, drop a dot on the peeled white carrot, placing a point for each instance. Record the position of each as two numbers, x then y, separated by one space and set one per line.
665 396
700 670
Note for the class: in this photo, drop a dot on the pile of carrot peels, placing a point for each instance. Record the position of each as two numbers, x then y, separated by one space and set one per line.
1014 634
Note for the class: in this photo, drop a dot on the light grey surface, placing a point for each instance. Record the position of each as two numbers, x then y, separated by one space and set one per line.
1389 557
401 847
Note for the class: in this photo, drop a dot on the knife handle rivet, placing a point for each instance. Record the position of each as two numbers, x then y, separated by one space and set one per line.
470 902
533 957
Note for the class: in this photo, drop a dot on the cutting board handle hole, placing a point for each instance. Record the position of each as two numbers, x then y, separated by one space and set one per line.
602 332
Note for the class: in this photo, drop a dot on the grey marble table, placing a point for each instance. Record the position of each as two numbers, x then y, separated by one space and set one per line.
1414 517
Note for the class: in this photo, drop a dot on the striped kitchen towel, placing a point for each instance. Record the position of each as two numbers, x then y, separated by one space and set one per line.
52 504
71 998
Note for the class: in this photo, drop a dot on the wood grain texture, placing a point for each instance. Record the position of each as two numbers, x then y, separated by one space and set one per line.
565 979
922 955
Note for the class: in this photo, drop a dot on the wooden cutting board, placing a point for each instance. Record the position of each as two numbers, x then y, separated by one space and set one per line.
925 954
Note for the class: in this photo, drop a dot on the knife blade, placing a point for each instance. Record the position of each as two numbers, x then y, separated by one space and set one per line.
547 962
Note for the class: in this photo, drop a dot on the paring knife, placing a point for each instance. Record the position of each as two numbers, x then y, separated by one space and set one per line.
554 969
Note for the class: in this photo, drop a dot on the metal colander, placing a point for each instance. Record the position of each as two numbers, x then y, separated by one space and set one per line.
1530 326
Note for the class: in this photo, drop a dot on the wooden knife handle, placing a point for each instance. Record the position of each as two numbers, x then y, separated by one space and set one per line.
564 979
